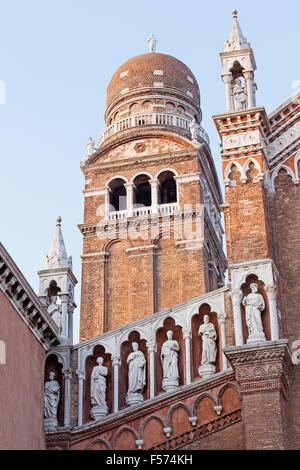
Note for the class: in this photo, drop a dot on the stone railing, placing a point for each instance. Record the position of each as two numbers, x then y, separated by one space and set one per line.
141 211
156 119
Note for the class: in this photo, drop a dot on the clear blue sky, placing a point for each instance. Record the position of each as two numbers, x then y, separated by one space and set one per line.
56 59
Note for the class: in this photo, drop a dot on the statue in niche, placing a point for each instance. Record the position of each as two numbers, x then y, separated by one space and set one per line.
91 146
193 126
55 311
152 43
208 334
98 390
136 375
169 360
240 96
51 401
254 304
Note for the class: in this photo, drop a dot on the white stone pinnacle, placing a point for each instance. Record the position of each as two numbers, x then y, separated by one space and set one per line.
236 41
57 256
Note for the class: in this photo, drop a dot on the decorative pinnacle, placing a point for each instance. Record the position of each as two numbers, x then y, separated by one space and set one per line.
234 13
58 220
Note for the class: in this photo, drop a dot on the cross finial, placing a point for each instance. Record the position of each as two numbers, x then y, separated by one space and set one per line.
152 43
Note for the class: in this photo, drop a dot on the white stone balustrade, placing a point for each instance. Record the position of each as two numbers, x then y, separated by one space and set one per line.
146 119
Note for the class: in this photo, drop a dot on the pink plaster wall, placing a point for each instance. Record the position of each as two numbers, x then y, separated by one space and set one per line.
21 383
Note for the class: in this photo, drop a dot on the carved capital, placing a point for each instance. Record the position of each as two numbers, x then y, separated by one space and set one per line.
80 374
187 334
116 360
222 317
271 292
67 373
151 346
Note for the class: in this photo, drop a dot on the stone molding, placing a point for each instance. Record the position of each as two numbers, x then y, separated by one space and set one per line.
261 368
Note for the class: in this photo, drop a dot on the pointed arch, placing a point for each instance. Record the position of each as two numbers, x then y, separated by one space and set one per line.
228 170
170 413
246 168
147 421
297 159
275 174
200 397
119 432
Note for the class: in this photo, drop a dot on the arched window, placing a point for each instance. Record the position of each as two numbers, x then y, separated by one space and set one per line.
167 188
117 197
142 192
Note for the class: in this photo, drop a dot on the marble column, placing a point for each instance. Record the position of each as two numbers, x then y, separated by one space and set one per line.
64 314
116 361
187 335
236 298
81 377
151 351
154 196
129 198
221 320
67 401
271 292
250 91
227 79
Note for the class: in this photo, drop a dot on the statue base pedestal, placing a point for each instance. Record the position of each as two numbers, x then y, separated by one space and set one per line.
206 371
256 339
169 385
98 412
134 398
50 424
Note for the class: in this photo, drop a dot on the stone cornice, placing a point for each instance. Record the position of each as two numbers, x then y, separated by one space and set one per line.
26 303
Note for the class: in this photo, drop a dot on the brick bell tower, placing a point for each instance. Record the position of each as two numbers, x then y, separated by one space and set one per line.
262 366
152 233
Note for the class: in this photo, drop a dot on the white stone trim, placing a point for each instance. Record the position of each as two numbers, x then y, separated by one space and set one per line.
275 174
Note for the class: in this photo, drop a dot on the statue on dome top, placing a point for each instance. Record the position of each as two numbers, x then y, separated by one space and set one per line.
152 43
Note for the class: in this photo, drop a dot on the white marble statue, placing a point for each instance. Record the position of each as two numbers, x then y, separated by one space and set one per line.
208 334
152 43
136 375
91 146
169 360
193 126
51 401
254 304
240 96
55 311
98 390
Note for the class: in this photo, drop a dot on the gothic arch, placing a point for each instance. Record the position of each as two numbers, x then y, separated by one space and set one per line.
246 167
60 358
199 398
173 409
275 174
95 441
146 335
297 159
119 432
228 170
147 420
223 389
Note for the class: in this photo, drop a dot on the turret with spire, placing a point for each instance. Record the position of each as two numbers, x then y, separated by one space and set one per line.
57 283
238 66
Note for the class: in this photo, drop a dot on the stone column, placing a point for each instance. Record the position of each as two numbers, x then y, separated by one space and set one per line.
227 79
271 292
236 298
187 335
116 360
154 196
262 371
250 92
64 314
81 377
67 401
129 198
221 320
151 351
107 202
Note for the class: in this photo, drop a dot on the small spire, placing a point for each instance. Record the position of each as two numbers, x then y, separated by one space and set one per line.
57 256
236 41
